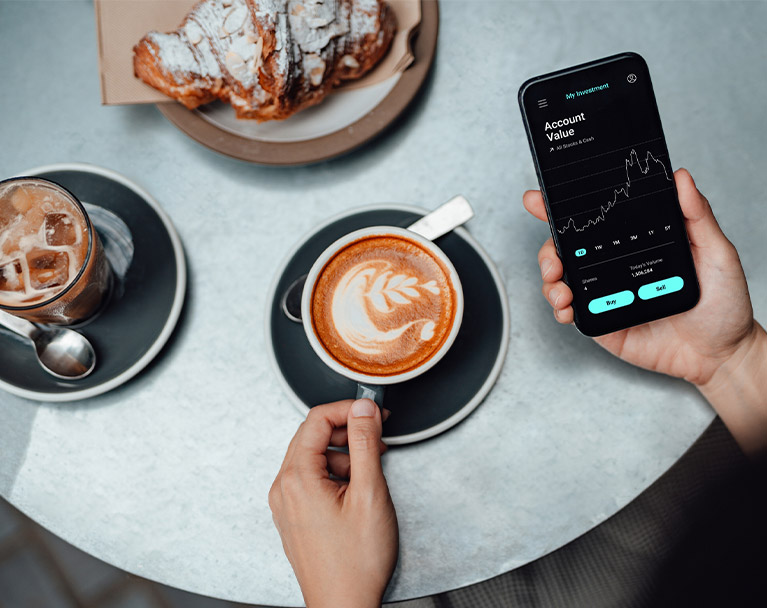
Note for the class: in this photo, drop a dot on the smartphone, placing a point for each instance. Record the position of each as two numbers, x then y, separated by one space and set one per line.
606 178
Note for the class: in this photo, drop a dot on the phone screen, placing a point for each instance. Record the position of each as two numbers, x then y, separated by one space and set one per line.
605 174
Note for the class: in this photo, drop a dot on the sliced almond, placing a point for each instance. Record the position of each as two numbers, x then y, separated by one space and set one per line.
297 10
255 64
193 32
233 58
235 19
235 64
257 59
315 65
317 22
315 76
350 62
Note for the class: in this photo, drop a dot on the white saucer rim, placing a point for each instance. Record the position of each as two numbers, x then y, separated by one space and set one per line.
176 307
492 377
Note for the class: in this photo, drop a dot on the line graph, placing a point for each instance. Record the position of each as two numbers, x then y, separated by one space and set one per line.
623 191
580 160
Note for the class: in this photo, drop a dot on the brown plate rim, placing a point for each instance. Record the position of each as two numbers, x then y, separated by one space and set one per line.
331 145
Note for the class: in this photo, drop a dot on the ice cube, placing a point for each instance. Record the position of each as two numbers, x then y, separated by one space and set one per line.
11 278
60 229
22 199
7 212
47 268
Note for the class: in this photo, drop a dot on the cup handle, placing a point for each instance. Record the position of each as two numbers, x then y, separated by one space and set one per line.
371 391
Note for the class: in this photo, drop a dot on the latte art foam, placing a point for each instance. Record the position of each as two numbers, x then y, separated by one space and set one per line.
383 305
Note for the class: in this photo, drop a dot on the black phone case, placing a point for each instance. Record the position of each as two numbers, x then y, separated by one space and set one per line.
555 235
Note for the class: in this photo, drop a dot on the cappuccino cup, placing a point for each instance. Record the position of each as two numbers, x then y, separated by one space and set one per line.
381 305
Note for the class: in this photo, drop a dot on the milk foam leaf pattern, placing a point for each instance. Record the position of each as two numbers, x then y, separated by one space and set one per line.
399 289
358 325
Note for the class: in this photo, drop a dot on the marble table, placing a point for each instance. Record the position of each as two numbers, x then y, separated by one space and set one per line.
167 476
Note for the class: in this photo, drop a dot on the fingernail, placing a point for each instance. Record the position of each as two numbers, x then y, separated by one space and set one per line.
545 267
385 414
554 296
363 408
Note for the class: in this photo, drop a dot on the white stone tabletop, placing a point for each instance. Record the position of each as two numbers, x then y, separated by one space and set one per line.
167 476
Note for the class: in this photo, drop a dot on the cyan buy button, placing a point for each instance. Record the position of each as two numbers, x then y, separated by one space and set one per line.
616 300
661 288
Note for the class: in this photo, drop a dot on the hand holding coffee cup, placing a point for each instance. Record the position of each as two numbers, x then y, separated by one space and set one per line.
382 305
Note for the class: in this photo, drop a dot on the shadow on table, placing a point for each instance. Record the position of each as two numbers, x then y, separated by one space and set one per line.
650 554
694 538
15 434
38 569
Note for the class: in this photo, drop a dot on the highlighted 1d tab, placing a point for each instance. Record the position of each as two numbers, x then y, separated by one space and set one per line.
579 253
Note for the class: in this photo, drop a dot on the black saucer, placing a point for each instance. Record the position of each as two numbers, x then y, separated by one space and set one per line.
140 316
434 401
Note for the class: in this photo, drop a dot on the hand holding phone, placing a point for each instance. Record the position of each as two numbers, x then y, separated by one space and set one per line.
692 345
652 323
608 187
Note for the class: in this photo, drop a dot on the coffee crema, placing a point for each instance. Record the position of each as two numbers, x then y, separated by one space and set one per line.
383 305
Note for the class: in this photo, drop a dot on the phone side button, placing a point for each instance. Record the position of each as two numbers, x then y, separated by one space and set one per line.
661 288
611 302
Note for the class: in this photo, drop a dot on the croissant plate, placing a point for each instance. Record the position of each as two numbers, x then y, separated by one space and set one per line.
267 58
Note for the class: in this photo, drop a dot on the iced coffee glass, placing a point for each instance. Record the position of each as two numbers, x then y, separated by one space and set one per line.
52 263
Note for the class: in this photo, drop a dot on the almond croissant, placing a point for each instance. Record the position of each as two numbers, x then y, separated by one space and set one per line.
267 58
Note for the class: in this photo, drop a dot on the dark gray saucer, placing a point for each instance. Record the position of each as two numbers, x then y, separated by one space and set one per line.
138 319
436 400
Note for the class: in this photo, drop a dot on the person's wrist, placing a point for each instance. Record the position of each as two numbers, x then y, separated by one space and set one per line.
738 392
747 354
357 591
348 598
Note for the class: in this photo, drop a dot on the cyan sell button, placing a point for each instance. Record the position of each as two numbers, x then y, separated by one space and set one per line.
661 288
580 252
616 300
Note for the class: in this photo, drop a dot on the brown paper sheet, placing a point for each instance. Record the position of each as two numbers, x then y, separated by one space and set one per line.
122 23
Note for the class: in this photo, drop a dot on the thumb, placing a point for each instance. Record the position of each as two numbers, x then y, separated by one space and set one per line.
364 430
702 227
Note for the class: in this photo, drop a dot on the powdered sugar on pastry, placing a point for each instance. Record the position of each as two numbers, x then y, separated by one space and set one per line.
268 58
314 24
363 18
214 29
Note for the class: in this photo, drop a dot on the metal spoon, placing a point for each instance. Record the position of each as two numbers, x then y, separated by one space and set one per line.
443 219
62 352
